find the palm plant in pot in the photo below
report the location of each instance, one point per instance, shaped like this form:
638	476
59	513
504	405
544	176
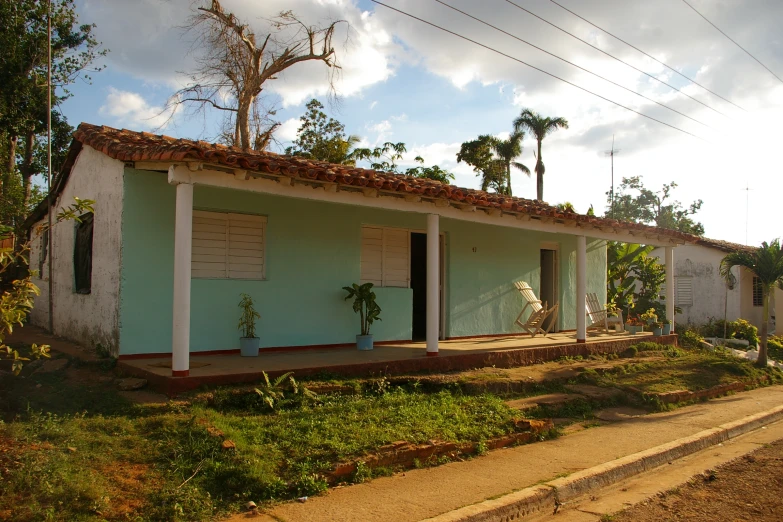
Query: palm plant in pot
248	343
364	304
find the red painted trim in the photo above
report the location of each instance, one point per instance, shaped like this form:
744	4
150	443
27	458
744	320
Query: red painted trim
465	337
432	354
159	355
581	341
180	373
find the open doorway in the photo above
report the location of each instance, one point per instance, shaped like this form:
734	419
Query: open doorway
548	284
419	285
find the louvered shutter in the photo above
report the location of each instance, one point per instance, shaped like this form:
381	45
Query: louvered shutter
372	256
228	245
246	246
385	259
684	291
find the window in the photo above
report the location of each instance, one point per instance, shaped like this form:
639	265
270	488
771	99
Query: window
758	292
43	252
228	246
82	255
385	256
683	291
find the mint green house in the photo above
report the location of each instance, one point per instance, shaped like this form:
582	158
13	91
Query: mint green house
182	228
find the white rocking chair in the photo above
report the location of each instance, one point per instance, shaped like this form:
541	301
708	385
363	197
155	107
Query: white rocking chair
539	312
598	316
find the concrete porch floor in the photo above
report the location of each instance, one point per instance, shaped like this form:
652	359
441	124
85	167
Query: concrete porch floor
384	359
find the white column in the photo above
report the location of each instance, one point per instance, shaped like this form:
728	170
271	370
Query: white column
183	239
670	297
581	288
433	283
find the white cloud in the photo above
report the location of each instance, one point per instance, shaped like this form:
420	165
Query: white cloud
373	104
287	130
131	109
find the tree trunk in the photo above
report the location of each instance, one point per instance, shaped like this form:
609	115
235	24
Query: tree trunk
762	360
539	175
27	167
508	177
243	121
11	165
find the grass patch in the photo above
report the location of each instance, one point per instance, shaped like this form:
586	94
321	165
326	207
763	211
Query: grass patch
690	370
76	451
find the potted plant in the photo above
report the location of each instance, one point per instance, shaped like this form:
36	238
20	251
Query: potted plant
650	316
364	304
248	343
657	328
634	326
667	327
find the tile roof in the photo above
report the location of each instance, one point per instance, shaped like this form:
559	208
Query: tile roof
725	246
126	145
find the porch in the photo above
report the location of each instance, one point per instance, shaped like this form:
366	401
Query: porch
388	359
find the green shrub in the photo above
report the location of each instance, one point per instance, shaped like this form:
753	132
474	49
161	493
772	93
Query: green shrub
739	329
690	338
775	348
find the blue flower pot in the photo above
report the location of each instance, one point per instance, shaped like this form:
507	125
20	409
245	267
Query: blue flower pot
364	342
667	329
248	346
657	331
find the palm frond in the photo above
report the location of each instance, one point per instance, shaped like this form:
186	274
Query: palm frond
521	167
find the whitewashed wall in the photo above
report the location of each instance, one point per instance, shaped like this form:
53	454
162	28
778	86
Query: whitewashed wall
86	318
710	293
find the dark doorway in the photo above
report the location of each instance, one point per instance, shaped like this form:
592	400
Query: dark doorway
548	284
419	284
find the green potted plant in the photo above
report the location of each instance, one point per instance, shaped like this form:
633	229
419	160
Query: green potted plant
657	328
248	343
650	316
667	327
364	304
633	326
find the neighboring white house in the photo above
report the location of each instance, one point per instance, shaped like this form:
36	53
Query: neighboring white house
701	293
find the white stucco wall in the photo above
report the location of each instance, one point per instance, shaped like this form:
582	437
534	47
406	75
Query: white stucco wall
711	298
86	318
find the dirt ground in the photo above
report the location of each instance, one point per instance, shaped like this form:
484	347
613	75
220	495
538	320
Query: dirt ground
746	489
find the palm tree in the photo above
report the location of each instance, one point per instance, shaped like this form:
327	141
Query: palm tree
766	263
540	127
507	151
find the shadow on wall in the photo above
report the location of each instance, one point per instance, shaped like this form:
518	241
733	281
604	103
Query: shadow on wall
487	299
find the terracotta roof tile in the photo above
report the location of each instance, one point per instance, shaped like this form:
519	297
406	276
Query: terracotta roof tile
726	246
126	145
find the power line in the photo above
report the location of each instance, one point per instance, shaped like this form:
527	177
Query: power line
536	68
647	55
734	41
614	57
571	63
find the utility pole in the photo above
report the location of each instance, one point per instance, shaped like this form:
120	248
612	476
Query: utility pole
49	236
747	207
611	154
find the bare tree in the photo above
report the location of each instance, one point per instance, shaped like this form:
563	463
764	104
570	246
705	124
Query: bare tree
236	64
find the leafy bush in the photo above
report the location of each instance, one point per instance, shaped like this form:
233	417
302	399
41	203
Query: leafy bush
690	338
739	329
775	347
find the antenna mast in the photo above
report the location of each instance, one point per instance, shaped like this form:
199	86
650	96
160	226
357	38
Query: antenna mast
611	154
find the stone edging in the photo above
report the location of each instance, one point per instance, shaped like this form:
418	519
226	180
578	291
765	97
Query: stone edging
556	492
405	454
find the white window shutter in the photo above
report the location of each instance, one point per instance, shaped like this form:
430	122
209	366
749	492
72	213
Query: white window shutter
385	256
372	256
210	242
245	256
396	261
684	291
228	245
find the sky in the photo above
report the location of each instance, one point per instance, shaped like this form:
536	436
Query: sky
403	80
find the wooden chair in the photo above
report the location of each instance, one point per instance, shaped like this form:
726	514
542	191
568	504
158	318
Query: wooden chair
539	312
598	316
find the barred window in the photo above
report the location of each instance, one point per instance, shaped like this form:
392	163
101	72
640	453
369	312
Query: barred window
758	292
